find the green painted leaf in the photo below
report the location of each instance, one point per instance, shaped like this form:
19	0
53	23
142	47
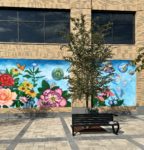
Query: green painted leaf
68	104
17	103
102	103
55	87
45	85
15	75
37	71
4	106
7	71
29	72
21	103
27	76
66	95
39	77
38	95
40	89
14	103
95	101
10	72
16	79
35	85
120	102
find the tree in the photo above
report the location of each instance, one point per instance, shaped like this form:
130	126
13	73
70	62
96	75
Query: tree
139	61
87	59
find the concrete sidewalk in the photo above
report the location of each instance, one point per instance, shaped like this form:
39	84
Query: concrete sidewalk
54	133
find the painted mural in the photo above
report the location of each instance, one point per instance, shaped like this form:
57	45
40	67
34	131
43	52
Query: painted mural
122	89
33	83
29	83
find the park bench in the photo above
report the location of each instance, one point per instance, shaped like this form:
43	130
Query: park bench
91	120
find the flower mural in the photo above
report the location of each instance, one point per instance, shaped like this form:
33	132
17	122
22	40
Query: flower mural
122	89
100	100
52	98
7	97
105	95
40	83
6	80
26	86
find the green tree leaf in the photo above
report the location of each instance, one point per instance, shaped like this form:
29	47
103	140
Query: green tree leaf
88	53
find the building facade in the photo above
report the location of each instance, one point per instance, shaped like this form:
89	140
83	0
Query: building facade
24	51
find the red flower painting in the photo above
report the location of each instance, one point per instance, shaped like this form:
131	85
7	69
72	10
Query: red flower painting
6	80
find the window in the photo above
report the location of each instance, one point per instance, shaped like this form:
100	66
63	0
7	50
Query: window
34	25
122	26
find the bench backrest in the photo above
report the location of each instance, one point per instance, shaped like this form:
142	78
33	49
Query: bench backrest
90	119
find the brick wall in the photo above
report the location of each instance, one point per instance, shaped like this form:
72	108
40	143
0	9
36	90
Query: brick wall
52	51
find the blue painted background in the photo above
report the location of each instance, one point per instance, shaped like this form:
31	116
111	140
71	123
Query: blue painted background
124	84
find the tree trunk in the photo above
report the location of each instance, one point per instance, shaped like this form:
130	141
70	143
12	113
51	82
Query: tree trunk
92	100
87	100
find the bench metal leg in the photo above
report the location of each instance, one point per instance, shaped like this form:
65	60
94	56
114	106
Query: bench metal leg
73	131
116	129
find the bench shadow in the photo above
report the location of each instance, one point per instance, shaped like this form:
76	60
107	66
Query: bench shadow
95	130
90	130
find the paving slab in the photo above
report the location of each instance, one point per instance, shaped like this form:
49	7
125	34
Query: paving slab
54	133
63	145
115	144
139	140
3	146
9	129
45	128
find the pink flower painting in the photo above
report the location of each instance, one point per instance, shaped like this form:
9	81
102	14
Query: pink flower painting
7	97
52	98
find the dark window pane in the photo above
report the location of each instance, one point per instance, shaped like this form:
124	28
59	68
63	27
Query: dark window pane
8	31
62	16
108	36
8	15
122	18
31	32
122	26
31	15
123	34
33	25
101	18
54	32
